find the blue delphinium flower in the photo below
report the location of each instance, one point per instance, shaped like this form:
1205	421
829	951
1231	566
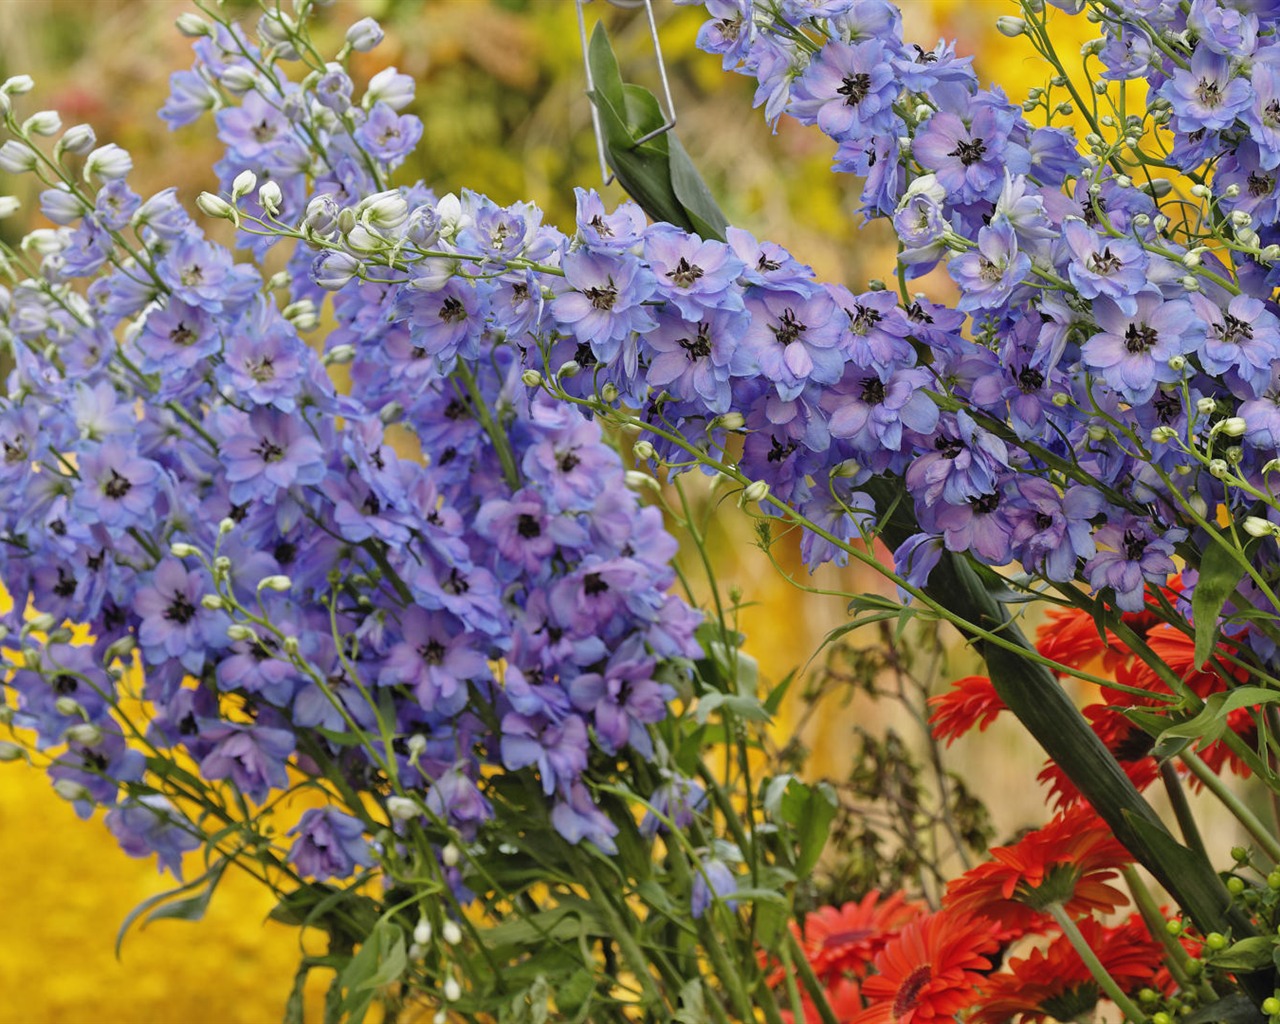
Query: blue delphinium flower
849	88
329	844
988	275
1133	349
150	824
1210	94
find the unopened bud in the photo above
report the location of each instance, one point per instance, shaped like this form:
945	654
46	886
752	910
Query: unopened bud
78	139
1206	406
452	990
1218	468
339	355
643	450
213	602
416	745
1201	191
609	393
226	526
270	198
449	855
108	162
17	85
180	550
9	205
243	183
71	790
277	583
215	206
290	646
1163	434
730	421
1097	432
757	490
1007	25
531	378
1233	426
192	25
422	932
450	932
568	370
1256	526
10	751
84	733
364	35
403	809
1177	363
43	122
17	157
302	314
236	632
638	481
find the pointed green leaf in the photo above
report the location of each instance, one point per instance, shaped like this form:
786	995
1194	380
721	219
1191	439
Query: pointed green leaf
1246	955
1220	571
1211	722
694	196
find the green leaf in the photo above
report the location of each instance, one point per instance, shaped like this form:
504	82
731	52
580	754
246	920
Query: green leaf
693	1004
692	192
1210	724
182	909
1236	1008
1220	572
745	707
809	810
1246	955
773	702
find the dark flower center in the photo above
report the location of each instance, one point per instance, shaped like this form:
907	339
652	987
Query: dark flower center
778	451
455	410
863	319
1208	92
64	684
1260	184
180	610
1234	331
116	486
602	229
602	298
1134	545
985	504
765	265
261	370
789	328
452	311
698	347
949	447
1271	113
909	990
685	273
916	313
66	585
970	151
433	652
1030	381
1043	520
854	88
285	553
1167	406
988	271
1139	338
568	462
455	583
262	131
182	335
872	390
593	584
269	451
528	527
1105	262
15	451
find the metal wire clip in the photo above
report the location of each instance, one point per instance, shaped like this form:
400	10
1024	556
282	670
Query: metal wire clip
669	114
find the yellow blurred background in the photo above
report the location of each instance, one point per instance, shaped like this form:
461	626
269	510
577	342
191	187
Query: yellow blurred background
501	94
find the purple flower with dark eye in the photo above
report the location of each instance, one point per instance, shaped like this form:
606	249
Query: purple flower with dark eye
1114	267
792	339
847	89
608	232
769	264
1131	555
988	275
970	159
606	303
1133	349
174	622
330	844
1052	530
623	699
557	749
176	337
1244	338
980	526
150	824
388	136
443	322
525	531
253	128
455	798
692	274
576	818
118	488
95	773
1210	94
1224	28
1263	114
871	412
437	658
692	360
251	756
197	271
268	451
966	462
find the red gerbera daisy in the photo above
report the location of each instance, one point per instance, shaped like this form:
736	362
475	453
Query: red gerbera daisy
929	972
1067	862
846	940
972	701
842	996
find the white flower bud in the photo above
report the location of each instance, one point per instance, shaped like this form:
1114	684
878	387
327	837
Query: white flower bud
213	602
1160	222
1177	363
43	122
452	990
363	239
1009	26
403	809
192	25
638	481
1241	218
290	646
243	183
9	205
17	85
277	583
1192	257
531	378
643	450
757	490
270	197
450	932
1201	191
226	526
68	706
383	210
85	733
302	314
340	355
568	370
1233	426
415	952
1124	181
609	392
1163	434
1206	406
1195	502
108	162
1218	468
391	88
364	35
417	745
422	932
441	1016
78	139
237	632
215	206
1270	254
1248	238
122	647
180	550
1256	526
237	79
17	157
10	751
449	855
1097	432
41	623
1190	283
71	790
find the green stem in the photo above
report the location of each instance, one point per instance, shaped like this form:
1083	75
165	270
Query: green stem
1251	822
1181	808
817	991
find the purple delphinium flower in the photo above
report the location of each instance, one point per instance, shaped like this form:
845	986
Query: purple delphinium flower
118	488
1114	267
608	232
176	337
970	159
988	275
251	756
437	657
1210	94
1223	28
454	797
268	451
148	825
1263	114
175	624
330	844
1133	350
606	303
1130	555
966	462
713	879
980	526
847	89
1051	531
793	339
387	136
525	531
577	818
871	412
692	274
692	360
443	322
624	698
1244	338
673	801
558	749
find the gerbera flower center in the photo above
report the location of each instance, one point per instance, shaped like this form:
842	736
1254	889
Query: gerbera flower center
909	990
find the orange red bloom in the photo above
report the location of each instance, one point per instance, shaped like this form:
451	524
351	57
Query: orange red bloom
846	940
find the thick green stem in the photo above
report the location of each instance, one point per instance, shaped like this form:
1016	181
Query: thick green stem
1108	984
